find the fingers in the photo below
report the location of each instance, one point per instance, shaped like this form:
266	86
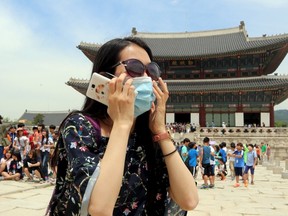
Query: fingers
122	85
163	86
116	84
128	88
160	91
120	81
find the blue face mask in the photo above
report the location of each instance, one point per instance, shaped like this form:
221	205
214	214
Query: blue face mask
145	96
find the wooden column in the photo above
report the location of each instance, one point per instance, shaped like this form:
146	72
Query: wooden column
238	67
202	112
239	105
202	116
271	111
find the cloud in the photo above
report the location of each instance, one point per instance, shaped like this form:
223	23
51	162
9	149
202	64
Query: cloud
39	38
11	40
264	3
34	67
175	2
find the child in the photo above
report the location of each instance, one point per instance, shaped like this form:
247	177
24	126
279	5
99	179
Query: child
239	162
231	160
250	165
15	170
219	163
193	155
258	152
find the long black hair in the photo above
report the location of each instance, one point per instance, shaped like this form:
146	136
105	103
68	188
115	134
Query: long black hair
17	154
45	139
107	56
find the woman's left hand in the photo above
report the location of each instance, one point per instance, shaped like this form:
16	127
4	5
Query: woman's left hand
158	111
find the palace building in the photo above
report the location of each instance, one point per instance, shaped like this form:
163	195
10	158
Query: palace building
215	76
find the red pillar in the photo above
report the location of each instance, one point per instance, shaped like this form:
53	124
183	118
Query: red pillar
239	105
202	116
271	111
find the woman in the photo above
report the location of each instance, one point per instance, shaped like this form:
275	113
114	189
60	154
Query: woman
6	142
32	164
268	152
14	172
5	162
20	143
131	178
46	144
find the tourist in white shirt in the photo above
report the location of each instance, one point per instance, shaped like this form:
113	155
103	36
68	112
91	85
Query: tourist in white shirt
231	160
5	162
20	143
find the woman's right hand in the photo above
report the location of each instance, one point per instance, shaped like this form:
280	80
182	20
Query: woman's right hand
121	100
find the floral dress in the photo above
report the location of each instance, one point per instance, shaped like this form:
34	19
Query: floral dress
80	150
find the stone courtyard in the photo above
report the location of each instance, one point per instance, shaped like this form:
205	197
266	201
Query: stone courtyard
269	196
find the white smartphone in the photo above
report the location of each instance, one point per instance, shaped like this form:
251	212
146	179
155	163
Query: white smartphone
98	88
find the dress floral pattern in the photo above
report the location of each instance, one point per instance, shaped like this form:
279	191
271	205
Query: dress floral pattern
83	145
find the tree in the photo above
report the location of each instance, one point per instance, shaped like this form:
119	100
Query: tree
38	119
280	124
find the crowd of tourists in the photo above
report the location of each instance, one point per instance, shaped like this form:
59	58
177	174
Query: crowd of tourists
25	153
176	127
209	160
181	127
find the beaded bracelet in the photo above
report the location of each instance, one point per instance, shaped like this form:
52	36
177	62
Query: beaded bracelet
166	155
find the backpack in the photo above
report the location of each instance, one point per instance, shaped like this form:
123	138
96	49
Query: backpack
224	155
187	159
5	142
179	149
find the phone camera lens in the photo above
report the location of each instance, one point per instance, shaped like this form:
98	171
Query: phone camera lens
93	86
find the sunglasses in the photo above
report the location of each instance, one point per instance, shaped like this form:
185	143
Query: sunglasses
136	68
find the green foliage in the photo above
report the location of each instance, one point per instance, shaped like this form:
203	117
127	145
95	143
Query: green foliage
280	124
38	119
281	118
6	120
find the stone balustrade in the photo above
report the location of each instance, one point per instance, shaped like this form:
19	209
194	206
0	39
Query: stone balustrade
277	138
243	131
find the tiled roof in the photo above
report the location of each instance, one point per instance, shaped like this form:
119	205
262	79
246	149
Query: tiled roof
54	118
229	44
232	41
225	85
209	85
79	85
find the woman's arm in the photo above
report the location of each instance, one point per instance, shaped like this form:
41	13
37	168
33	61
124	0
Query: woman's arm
35	165
50	143
121	111
14	143
186	199
109	182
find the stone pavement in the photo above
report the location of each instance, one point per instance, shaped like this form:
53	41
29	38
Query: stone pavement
269	196
24	198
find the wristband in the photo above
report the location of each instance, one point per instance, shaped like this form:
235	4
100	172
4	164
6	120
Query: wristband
172	152
161	136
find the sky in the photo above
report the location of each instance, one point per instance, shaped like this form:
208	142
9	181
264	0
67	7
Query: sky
38	40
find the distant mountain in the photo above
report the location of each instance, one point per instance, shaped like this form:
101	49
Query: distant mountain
281	115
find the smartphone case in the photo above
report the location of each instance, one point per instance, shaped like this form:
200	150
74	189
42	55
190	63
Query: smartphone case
98	88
